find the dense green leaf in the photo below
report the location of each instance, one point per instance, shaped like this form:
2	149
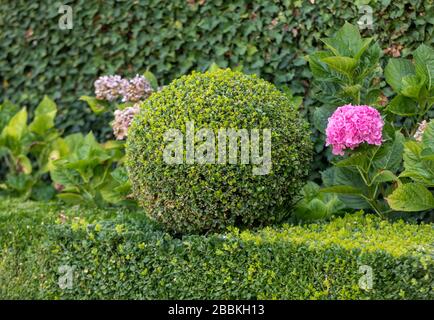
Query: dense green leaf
411	197
396	70
403	106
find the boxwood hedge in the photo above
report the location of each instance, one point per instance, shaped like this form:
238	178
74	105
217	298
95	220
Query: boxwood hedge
174	37
124	256
204	190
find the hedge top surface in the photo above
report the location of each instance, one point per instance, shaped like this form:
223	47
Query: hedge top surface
197	197
366	233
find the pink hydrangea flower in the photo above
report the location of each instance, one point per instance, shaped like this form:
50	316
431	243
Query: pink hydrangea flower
349	126
123	120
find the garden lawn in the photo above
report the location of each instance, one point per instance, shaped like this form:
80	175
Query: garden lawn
116	254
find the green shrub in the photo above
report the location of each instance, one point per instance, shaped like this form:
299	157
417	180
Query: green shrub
197	197
174	37
124	256
26	149
87	172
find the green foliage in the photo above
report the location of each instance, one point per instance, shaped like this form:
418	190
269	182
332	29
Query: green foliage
348	73
363	179
413	84
200	197
85	171
316	205
172	38
345	73
419	167
121	256
25	149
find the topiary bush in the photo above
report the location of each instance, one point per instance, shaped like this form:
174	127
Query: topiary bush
192	197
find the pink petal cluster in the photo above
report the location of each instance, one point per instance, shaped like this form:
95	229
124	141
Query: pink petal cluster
135	89
349	126
123	120
111	88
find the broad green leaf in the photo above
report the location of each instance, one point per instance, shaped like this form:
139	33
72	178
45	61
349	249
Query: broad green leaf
384	176
17	126
19	182
424	59
45	114
389	156
355	160
418	169
411	85
24	164
365	44
318	68
321	116
41	124
343	65
346	42
71	198
403	106
428	136
65	177
96	105
342	189
46	106
411	197
152	80
396	70
346	176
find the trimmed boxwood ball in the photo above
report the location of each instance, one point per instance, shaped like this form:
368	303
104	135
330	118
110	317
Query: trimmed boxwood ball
196	197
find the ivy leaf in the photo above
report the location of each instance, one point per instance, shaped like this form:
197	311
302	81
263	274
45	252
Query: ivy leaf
411	197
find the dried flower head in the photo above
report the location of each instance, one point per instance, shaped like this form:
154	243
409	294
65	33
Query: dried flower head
420	130
123	120
136	89
109	87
